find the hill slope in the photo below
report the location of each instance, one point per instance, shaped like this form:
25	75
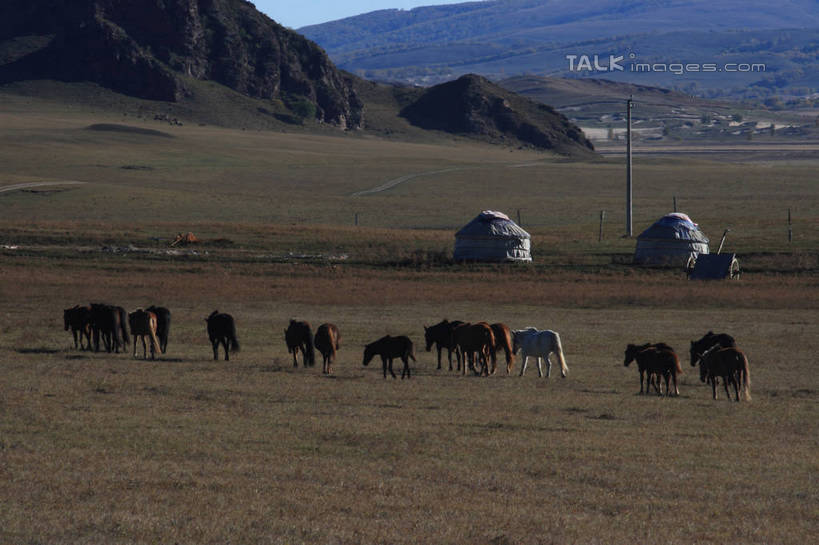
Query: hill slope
502	38
149	48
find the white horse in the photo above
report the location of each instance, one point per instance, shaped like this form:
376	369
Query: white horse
539	344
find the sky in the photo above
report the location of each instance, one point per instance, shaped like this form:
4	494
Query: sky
295	13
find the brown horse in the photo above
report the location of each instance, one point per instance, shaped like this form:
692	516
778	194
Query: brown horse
440	335
143	324
299	337
476	339
222	330
163	325
109	321
79	320
503	339
732	365
389	348
709	341
327	342
657	359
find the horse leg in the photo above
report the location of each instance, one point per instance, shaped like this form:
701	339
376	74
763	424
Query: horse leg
548	366
523	364
439	356
539	368
144	348
406	369
295	352
714	386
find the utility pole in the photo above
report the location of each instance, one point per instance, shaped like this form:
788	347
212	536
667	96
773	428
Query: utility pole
629	105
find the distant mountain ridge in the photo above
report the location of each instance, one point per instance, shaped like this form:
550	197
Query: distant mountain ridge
150	48
502	38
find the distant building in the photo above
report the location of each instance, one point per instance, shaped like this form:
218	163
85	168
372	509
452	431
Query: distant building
492	236
671	241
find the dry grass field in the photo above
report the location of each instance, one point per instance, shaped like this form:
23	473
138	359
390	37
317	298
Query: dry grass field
102	448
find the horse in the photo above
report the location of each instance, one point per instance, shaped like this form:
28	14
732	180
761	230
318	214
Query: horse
540	344
299	336
503	339
144	324
732	365
109	322
659	359
471	339
222	329
440	335
327	342
388	348
79	320
709	341
163	325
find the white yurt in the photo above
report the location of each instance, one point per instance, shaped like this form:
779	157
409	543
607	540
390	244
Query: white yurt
492	236
670	241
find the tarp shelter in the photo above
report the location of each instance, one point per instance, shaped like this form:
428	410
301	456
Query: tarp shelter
715	267
671	241
492	236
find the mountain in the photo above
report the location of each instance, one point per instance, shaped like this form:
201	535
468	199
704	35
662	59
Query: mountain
159	49
474	106
778	41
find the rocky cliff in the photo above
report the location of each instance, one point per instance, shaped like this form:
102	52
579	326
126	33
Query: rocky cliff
148	48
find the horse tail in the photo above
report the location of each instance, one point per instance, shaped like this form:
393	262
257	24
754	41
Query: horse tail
678	370
234	342
311	348
411	351
746	376
154	339
564	369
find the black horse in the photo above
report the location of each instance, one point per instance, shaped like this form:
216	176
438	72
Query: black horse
389	348
222	329
709	341
110	323
299	337
656	360
79	320
440	335
163	325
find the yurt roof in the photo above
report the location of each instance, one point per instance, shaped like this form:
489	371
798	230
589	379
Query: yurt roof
676	226
491	223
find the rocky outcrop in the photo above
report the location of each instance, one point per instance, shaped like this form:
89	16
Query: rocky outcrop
474	106
147	49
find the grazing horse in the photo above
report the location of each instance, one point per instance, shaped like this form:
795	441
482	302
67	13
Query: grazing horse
299	336
79	320
658	359
732	365
222	329
540	344
503	339
709	341
144	324
389	348
327	342
163	325
109	321
440	335
475	339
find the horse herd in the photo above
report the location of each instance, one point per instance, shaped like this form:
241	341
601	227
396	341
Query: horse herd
475	346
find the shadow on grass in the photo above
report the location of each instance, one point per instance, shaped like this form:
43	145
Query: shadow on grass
39	350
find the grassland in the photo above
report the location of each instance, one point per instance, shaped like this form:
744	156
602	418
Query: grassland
98	448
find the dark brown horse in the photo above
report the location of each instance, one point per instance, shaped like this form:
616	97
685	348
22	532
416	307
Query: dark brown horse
299	337
109	322
163	325
440	335
327	342
503	339
144	324
709	341
657	359
222	330
79	320
475	340
732	365
389	348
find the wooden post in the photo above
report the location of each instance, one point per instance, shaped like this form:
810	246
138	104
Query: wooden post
790	227
519	221
602	219
721	242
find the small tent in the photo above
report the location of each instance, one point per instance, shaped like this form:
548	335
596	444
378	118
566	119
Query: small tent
671	241
492	236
